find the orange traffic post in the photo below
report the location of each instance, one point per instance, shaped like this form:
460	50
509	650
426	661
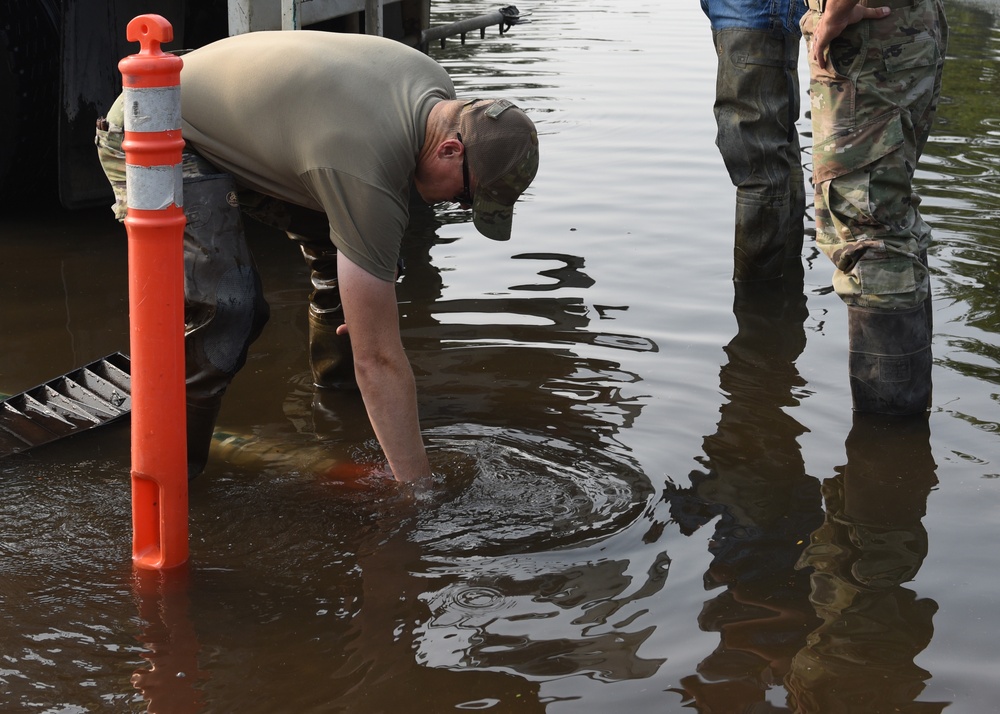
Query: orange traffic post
155	225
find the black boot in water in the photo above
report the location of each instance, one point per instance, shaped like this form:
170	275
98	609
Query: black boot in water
890	359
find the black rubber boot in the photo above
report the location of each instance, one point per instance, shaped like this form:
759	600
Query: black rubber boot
330	356
890	359
200	427
759	240
224	306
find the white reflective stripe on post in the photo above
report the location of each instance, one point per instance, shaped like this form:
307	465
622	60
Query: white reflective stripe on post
153	188
150	109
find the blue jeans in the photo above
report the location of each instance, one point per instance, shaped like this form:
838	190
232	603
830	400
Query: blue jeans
776	15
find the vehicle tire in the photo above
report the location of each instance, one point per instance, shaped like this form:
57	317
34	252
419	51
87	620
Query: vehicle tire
29	91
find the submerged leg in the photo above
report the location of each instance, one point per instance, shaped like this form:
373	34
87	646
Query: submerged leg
224	306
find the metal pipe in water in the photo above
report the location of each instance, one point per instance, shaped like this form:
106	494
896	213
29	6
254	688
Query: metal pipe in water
504	17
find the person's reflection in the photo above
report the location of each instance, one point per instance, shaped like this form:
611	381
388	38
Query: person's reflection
755	485
872	541
170	683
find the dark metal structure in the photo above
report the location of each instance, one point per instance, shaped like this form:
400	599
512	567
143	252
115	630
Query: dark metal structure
96	394
59	73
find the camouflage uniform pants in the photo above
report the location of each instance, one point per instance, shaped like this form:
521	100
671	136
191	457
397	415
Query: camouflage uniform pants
872	110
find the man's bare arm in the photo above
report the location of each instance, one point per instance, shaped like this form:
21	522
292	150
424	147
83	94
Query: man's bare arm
382	369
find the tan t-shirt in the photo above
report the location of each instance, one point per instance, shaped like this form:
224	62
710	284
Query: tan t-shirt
330	121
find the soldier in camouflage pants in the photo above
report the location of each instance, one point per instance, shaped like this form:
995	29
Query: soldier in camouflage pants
875	70
756	107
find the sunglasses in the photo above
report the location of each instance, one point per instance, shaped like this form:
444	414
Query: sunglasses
465	198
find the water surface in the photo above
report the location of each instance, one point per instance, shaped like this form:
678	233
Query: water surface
640	480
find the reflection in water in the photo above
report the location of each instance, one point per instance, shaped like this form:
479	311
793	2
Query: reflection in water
543	619
308	627
828	620
861	657
377	670
171	682
765	505
550	367
569	275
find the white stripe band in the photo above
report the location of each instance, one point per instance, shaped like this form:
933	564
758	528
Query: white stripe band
153	188
152	108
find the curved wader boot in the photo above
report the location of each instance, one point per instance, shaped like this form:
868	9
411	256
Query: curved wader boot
330	357
890	359
756	107
224	306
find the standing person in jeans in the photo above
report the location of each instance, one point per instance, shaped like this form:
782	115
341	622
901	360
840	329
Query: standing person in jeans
875	81
322	135
756	107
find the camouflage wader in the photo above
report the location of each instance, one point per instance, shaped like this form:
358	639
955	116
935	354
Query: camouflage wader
756	107
872	110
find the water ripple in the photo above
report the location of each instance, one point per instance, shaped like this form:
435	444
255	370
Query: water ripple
527	492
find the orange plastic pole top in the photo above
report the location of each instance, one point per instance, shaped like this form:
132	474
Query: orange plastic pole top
151	67
149	31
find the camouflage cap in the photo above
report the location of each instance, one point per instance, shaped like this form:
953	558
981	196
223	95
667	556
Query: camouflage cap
502	147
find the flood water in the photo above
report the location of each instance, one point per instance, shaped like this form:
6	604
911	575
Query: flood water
649	497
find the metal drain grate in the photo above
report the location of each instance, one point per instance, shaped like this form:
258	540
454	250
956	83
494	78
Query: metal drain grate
90	396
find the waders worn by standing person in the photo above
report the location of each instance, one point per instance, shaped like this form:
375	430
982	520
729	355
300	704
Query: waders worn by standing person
324	136
875	81
756	107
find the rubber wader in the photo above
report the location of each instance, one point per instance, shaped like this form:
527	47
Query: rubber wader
756	107
224	306
890	359
330	357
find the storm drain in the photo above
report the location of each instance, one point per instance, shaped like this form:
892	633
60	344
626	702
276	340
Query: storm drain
90	396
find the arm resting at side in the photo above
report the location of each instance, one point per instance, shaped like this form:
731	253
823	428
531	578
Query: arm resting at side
836	18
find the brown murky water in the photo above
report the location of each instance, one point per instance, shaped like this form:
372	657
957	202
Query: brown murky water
639	479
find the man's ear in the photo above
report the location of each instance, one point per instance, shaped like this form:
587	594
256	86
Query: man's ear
450	148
